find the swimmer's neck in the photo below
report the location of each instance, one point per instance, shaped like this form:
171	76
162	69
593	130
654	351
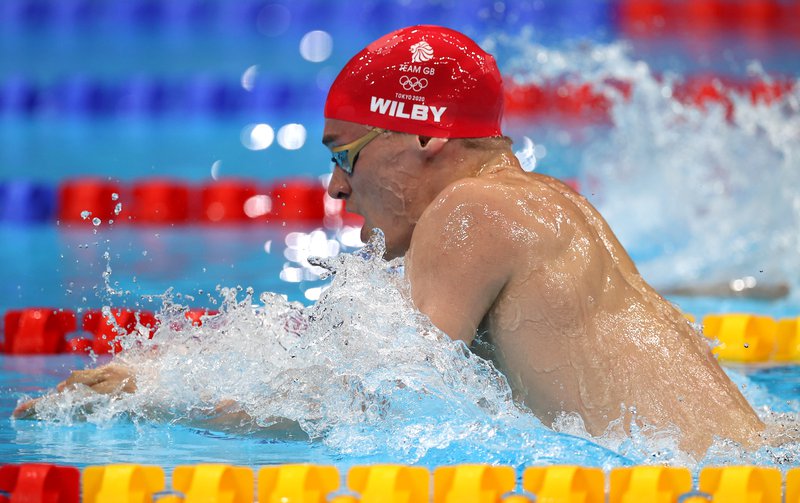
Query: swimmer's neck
499	162
469	163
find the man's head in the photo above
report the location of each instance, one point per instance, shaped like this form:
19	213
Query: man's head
393	109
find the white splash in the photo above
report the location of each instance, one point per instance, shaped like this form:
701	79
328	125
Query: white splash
361	371
714	194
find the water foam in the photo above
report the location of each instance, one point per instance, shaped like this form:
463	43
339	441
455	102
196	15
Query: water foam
367	375
361	371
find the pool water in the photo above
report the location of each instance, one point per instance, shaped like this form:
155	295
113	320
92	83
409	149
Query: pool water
169	445
374	389
366	377
698	194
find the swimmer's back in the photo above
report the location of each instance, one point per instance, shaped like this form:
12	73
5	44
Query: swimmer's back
574	326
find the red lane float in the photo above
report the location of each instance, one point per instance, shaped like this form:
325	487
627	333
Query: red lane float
106	331
164	201
46	331
160	201
297	200
578	101
84	199
224	201
236	201
589	105
35	482
78	345
195	316
703	90
649	18
37	330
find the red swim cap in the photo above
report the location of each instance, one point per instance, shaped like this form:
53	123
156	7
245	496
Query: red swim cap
425	80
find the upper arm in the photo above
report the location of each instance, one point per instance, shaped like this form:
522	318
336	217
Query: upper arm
461	257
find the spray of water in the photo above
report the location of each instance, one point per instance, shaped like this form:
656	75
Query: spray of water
714	190
361	370
365	373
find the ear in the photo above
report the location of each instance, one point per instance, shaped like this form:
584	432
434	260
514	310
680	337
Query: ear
431	146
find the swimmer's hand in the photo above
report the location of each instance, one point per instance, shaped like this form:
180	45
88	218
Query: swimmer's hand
111	379
228	416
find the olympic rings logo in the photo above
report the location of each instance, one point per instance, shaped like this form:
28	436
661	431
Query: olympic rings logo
413	83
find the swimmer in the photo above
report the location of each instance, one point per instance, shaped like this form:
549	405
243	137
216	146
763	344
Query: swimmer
517	257
413	123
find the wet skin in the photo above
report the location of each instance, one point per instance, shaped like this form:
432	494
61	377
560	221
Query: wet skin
567	316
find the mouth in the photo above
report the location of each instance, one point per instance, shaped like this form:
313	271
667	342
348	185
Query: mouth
348	208
352	218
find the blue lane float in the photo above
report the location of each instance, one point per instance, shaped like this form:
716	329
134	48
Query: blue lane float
23	201
252	16
145	96
79	95
18	96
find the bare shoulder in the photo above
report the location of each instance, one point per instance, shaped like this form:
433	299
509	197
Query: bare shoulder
471	210
472	191
462	255
502	214
513	209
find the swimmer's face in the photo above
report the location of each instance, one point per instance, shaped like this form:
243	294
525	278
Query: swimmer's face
385	184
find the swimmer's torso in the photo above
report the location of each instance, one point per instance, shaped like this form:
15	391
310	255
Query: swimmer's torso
576	329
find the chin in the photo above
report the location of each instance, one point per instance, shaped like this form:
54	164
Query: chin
393	250
391	254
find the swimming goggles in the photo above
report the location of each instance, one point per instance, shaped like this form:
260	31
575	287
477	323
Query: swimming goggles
346	155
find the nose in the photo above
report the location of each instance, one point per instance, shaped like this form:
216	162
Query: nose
339	186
